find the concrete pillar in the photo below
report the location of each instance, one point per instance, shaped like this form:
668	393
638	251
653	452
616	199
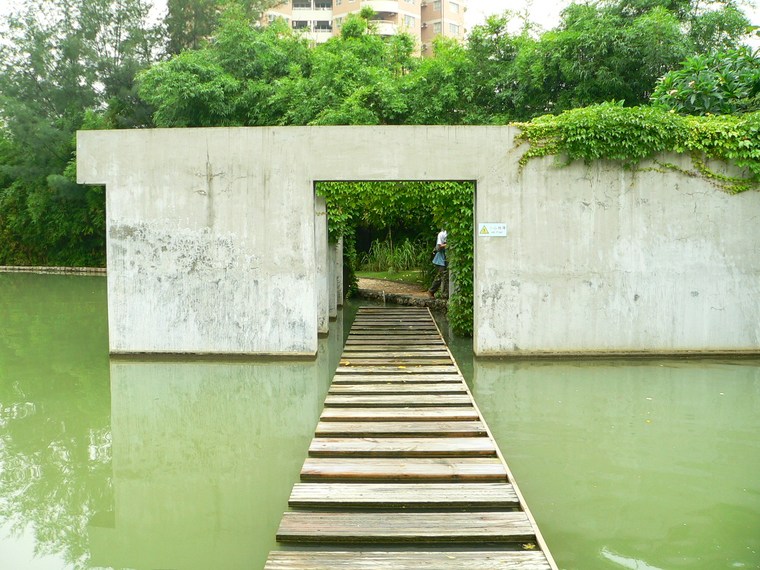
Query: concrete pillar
339	271
323	266
332	280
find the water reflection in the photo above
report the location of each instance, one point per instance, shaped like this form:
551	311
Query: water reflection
204	456
126	464
658	460
55	462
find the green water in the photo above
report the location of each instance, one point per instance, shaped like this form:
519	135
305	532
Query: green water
188	465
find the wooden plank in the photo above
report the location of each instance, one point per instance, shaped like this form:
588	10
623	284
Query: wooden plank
396	379
409	469
404	495
405	528
401	429
399	388
395	362
399	414
397	369
419	560
393	321
416	349
415	332
392	401
393	329
388	354
402	447
384	340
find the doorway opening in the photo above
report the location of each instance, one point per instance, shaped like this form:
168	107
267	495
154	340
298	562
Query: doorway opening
389	230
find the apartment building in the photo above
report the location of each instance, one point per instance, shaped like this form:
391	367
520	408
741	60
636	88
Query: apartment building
423	19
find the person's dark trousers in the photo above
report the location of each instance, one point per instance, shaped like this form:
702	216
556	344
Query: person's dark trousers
441	279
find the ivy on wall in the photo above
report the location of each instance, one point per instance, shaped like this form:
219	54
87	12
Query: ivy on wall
632	134
449	204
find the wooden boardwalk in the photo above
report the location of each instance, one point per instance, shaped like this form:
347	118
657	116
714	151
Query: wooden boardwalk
403	472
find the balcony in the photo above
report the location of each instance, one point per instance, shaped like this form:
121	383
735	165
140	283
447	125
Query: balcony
320	5
385	28
379	6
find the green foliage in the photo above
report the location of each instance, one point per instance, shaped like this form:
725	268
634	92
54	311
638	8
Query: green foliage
610	131
190	23
721	82
595	56
387	256
384	204
60	61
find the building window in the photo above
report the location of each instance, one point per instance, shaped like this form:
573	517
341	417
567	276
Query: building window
323	4
409	2
302	4
454	7
454	29
409	21
338	2
437	5
437	28
300	24
323	26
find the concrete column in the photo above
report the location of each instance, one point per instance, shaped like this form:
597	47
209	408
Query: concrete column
332	280
323	272
339	270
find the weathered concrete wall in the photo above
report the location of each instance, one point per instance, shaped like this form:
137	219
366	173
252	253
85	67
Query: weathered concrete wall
213	244
210	240
601	259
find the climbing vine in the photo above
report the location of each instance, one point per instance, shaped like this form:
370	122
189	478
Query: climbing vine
632	134
446	204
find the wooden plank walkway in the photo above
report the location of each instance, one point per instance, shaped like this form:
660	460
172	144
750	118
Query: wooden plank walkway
403	473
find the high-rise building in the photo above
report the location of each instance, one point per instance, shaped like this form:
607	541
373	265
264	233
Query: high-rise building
423	19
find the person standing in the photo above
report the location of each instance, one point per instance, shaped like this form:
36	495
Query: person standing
439	260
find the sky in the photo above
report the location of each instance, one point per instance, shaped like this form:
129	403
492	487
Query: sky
544	12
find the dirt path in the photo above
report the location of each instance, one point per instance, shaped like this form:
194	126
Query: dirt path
392	287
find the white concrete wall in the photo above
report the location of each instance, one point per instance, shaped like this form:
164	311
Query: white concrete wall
603	260
210	241
213	245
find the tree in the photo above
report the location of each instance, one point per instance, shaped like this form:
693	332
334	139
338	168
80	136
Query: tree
719	83
63	65
190	23
709	25
596	55
234	80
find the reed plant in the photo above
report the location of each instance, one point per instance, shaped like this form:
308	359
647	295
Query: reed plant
387	256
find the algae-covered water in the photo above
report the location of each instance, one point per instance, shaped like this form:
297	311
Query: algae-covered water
188	464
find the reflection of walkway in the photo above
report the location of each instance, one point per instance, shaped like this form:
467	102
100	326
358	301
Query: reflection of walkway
397	293
402	459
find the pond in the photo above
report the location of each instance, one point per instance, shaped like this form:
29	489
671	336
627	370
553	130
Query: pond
114	463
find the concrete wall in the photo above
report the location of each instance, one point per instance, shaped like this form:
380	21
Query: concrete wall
213	244
604	260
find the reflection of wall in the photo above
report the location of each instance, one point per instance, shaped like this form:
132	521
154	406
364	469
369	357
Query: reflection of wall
204	457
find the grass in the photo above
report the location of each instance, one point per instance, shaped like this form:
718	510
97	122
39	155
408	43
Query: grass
411	276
